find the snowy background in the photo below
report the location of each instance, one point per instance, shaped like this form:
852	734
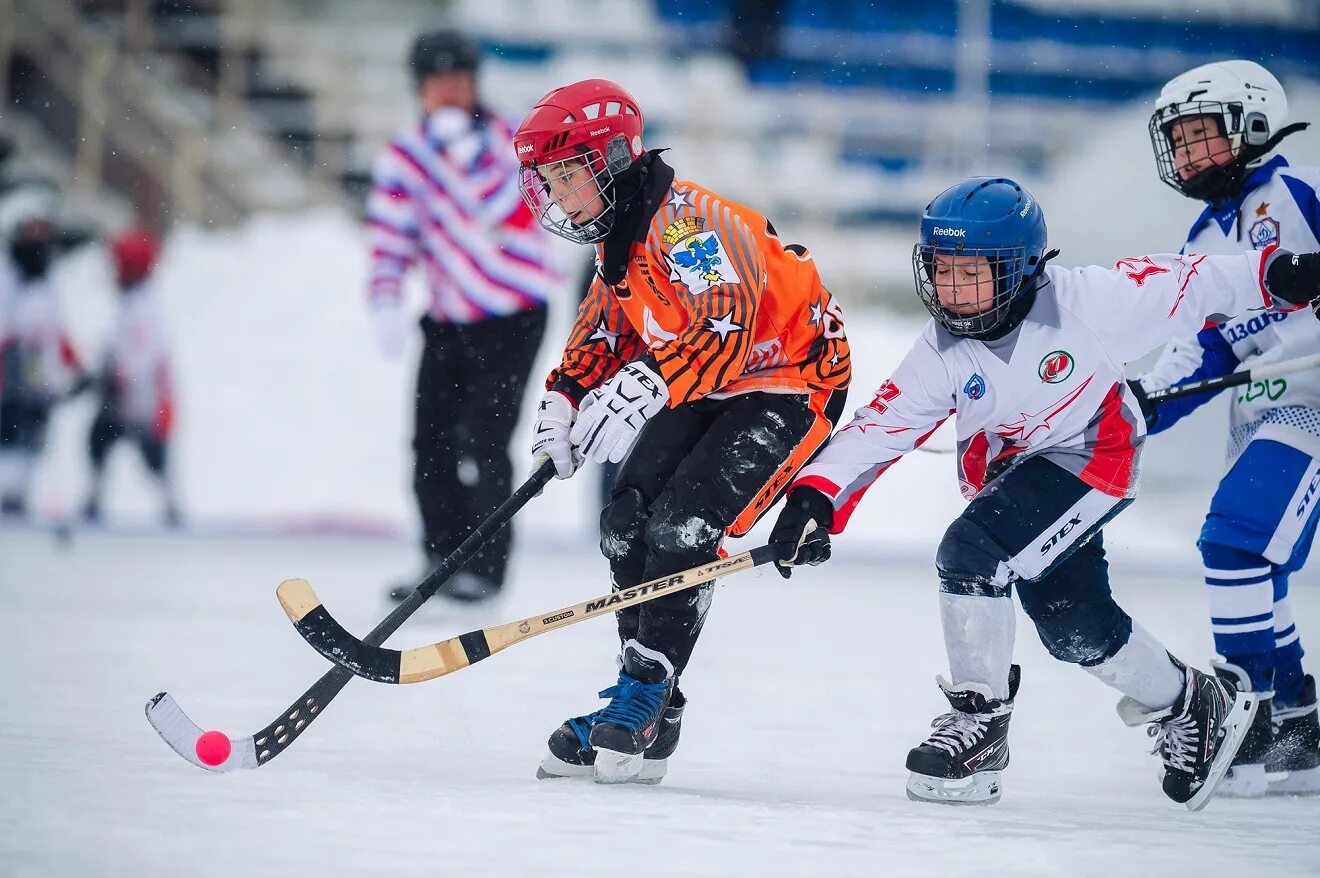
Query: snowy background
292	460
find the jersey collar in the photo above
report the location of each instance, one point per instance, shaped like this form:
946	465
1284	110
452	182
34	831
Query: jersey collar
1226	214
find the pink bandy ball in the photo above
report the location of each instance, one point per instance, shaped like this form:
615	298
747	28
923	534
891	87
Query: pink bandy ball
213	748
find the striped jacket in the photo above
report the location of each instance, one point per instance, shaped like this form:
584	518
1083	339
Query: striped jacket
716	301
451	202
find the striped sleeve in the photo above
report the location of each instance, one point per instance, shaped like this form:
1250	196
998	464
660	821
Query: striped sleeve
392	222
601	343
723	269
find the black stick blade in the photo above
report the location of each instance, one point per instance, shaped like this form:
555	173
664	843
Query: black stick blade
325	635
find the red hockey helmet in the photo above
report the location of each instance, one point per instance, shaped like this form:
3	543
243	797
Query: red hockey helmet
134	253
572	146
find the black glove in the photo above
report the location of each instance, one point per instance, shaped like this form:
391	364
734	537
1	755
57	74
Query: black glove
1149	410
1294	277
801	535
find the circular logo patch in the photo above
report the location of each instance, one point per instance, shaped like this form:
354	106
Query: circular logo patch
1055	367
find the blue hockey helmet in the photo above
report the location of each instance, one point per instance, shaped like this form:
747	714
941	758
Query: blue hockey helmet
990	217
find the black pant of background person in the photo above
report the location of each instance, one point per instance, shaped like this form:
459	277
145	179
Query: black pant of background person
107	430
469	392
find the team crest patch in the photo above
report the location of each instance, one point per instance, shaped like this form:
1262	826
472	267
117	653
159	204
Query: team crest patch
1264	232
682	227
975	386
700	263
1055	367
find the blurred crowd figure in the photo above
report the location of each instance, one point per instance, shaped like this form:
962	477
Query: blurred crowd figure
136	388
445	198
38	364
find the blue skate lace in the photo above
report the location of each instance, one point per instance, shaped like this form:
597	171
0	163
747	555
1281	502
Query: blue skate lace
632	702
581	726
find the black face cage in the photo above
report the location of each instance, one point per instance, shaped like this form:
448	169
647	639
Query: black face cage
1220	181
1008	266
535	187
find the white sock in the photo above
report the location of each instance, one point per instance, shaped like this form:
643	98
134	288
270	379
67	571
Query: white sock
978	636
1142	670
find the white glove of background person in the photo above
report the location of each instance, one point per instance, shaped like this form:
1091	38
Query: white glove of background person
391	327
612	415
554	420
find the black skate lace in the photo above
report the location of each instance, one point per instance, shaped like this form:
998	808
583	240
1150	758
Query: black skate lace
956	731
1176	740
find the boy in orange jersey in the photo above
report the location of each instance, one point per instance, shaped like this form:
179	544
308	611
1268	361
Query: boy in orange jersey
707	348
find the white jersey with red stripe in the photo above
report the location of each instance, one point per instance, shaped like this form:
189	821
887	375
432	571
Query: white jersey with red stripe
37	358
137	365
449	200
1053	385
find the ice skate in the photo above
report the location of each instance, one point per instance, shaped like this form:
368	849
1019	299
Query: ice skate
570	752
1293	764
1198	736
1245	778
961	761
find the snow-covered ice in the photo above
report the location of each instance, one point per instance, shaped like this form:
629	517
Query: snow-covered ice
805	696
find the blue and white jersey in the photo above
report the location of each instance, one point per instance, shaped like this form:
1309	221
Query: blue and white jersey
1278	205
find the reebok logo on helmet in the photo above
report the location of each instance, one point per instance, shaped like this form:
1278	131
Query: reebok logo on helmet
599	131
525	148
949	233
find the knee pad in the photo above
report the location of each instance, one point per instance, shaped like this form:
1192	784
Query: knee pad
970	562
1075	628
623	526
684	536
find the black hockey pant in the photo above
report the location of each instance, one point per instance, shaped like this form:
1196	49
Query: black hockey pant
698	471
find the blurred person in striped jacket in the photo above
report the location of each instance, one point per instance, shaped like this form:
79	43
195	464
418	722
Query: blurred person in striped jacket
445	197
137	395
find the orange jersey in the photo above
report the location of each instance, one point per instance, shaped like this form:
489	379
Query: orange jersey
717	302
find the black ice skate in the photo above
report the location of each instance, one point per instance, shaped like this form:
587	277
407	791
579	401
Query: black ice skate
1245	778
571	753
960	763
1293	763
1198	736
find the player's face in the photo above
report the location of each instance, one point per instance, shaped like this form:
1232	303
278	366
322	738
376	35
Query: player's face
965	284
573	188
1198	145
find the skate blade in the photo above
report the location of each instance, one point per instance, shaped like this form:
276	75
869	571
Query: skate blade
553	768
1244	782
1295	783
1239	720
615	767
982	788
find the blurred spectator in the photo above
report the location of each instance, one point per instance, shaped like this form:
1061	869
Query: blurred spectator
137	398
38	365
445	195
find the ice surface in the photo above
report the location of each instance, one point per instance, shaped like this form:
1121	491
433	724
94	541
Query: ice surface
805	697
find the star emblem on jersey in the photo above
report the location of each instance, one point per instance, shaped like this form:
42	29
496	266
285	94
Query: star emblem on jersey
1021	430
1264	209
815	314
679	199
1055	367
723	325
605	334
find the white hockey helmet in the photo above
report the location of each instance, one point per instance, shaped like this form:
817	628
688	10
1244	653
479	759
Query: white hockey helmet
1252	110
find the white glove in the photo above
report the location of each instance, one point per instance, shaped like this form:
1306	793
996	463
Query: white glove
612	415
391	326
554	420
